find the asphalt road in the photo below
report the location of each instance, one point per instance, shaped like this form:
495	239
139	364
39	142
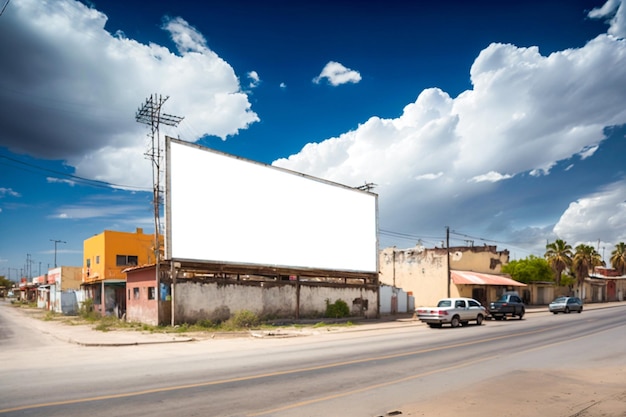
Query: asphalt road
377	372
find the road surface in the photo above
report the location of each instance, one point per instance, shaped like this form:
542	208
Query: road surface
565	365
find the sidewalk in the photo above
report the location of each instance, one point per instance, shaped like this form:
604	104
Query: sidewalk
86	335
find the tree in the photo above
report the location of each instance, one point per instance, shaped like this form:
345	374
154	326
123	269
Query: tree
559	256
618	258
585	259
528	270
4	282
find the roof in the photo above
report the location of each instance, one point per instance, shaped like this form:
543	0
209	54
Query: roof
477	278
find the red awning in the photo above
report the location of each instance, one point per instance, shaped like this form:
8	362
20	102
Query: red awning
476	278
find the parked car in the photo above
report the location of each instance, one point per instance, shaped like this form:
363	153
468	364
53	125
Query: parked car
509	304
453	311
566	305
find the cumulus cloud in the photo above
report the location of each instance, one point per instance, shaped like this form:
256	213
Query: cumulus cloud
87	84
525	114
600	215
336	74
615	12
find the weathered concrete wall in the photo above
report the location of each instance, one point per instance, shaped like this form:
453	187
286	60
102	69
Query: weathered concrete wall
420	271
485	259
218	301
362	302
405	302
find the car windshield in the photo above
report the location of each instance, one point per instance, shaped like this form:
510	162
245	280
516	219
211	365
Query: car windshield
560	300
444	303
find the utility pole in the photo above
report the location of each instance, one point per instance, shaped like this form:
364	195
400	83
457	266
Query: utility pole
448	253
55	249
150	114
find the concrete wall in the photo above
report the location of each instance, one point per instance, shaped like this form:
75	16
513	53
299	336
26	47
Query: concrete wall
421	271
404	302
218	301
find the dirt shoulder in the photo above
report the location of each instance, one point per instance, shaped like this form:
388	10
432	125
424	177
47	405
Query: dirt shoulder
555	393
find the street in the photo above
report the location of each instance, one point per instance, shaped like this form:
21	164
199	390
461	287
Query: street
410	369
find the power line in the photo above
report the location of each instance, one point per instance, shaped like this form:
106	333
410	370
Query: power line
4	7
80	180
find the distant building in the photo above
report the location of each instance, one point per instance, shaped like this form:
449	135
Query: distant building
473	271
106	255
59	289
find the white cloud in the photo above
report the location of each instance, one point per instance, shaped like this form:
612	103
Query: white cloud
525	114
336	74
89	83
615	12
61	181
491	176
8	192
282	85
601	215
254	78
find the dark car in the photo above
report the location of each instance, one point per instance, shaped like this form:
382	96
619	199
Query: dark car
509	304
566	305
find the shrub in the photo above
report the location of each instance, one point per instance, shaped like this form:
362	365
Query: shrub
337	310
242	319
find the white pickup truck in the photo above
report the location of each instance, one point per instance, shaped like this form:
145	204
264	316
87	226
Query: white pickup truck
453	311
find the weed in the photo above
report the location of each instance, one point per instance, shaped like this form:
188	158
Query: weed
337	310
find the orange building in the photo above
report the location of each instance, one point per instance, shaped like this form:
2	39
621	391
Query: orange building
106	255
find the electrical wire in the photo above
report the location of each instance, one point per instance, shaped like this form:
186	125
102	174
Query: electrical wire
78	179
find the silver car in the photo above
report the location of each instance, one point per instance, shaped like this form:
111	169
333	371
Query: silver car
566	305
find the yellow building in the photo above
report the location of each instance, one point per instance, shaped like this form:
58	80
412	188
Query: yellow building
106	255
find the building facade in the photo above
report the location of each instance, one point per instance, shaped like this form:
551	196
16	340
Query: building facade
106	256
425	273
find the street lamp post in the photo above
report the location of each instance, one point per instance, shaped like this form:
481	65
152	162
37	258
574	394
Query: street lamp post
55	249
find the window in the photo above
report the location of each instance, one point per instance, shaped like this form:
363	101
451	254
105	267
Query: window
97	259
88	262
151	293
136	293
125	260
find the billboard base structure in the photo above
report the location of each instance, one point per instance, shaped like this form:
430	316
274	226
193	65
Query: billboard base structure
192	292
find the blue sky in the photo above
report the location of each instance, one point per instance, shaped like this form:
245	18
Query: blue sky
504	122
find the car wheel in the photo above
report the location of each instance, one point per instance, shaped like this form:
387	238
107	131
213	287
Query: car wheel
521	314
566	310
555	312
479	319
455	321
580	310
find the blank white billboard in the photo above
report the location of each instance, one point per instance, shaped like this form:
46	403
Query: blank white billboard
221	208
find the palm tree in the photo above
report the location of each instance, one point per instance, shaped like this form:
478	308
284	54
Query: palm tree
618	258
585	259
559	256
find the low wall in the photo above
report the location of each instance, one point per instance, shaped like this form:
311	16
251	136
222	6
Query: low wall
218	301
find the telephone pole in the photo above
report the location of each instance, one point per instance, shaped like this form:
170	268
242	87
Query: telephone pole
150	114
